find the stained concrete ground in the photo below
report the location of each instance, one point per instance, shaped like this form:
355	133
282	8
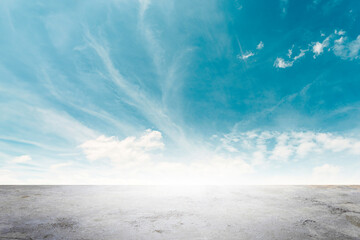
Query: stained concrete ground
139	212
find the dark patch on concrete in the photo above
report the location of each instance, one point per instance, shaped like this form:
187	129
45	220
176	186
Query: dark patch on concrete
16	238
38	231
332	209
320	231
354	220
64	223
307	221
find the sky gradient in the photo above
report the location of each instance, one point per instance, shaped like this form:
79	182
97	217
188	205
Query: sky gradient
180	92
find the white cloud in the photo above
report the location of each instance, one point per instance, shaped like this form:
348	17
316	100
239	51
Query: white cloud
21	159
294	146
340	40
246	55
60	165
347	50
341	47
282	152
123	151
281	63
318	47
326	170
305	147
340	32
301	54
258	158
289	53
140	160
260	45
334	143
136	158
355	149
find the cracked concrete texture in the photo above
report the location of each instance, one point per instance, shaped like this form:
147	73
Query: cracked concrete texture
168	212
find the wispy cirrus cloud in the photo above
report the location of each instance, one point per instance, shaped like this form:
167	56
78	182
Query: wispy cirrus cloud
246	55
152	109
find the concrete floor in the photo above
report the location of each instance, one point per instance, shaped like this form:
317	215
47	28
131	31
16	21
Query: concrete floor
139	212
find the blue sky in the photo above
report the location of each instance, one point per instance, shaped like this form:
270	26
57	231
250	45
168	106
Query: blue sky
180	92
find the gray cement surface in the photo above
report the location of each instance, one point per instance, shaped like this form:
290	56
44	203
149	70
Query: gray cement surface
164	212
